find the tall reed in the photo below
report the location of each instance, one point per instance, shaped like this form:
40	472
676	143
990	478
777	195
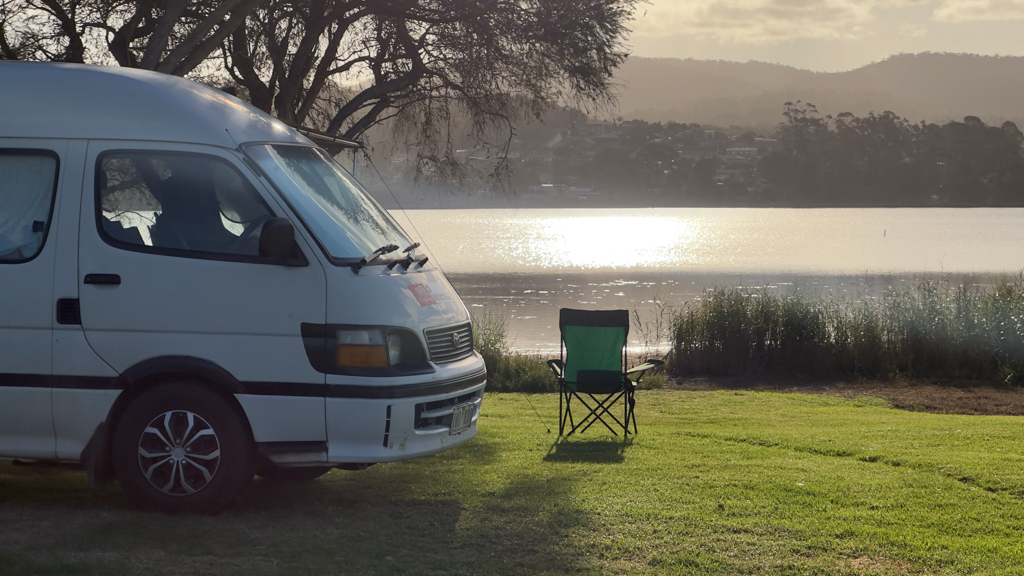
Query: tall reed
932	330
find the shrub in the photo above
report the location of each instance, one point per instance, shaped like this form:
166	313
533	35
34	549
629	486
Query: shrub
508	370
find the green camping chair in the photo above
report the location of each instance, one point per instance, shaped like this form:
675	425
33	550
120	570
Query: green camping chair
591	369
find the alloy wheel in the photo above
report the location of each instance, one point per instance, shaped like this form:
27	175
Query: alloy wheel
179	453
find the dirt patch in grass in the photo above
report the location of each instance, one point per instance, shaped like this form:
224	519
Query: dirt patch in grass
875	565
920	396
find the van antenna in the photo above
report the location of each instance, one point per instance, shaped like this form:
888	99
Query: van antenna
237	145
369	160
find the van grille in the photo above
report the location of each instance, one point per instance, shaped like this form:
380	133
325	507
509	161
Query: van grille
450	344
437	415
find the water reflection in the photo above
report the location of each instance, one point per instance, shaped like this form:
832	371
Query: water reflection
723	240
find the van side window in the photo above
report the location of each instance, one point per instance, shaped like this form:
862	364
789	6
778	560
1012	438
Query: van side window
28	184
185	204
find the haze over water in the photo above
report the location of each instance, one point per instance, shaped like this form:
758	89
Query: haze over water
526	263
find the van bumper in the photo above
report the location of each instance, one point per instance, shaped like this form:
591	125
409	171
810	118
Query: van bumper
402	421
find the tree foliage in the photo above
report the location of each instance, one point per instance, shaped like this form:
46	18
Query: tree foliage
885	160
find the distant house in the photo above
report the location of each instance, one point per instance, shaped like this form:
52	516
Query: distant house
742	151
596	128
694	155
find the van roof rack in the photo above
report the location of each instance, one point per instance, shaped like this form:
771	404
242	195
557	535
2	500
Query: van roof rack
323	138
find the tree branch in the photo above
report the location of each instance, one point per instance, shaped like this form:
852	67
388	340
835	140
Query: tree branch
193	48
75	52
207	47
158	39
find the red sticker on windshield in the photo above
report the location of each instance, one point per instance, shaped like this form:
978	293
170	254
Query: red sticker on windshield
422	294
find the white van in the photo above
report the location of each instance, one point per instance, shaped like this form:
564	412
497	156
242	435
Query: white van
192	291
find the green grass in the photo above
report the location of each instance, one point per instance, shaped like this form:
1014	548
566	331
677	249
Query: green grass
715	483
934	330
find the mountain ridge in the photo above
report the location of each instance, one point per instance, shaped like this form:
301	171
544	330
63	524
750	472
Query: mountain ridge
930	86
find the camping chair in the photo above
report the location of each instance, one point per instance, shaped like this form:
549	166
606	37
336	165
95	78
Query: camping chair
591	369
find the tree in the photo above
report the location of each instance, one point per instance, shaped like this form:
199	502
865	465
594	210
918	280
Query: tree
806	140
882	159
434	67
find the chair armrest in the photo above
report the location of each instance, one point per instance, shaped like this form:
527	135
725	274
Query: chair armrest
647	365
556	367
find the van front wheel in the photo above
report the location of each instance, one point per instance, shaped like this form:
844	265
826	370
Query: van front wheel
182	448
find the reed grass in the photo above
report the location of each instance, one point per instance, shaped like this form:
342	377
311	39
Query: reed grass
933	330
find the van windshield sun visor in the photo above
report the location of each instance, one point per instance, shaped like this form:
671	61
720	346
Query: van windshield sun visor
343	217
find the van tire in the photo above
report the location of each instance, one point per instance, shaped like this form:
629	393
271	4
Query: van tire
303	474
181	448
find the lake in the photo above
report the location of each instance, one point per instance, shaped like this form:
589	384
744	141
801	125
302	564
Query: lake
525	264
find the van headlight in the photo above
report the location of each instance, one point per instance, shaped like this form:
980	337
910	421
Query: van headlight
394	349
367	349
361	349
364	350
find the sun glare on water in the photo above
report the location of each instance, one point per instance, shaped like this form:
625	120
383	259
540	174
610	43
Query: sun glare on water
590	242
725	240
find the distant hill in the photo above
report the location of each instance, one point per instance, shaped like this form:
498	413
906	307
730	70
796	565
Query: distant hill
937	87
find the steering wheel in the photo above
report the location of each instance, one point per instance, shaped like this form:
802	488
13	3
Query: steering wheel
247	232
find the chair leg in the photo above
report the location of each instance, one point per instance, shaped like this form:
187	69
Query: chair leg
631	412
630	406
625	407
588	419
561	415
595	412
598	411
565	415
573	426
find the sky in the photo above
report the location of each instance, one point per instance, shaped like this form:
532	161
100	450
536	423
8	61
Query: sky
825	35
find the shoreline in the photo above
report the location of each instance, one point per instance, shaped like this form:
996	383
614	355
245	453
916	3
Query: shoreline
937	397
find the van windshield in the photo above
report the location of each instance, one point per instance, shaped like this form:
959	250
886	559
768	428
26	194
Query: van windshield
348	223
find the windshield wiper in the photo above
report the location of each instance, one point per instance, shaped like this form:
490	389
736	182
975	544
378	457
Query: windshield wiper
385	249
410	258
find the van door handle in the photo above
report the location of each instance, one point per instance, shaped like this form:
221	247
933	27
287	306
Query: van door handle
108	279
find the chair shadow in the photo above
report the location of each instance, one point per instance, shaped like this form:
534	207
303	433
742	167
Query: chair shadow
610	451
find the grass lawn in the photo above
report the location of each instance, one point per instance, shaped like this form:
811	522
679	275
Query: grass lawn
719	482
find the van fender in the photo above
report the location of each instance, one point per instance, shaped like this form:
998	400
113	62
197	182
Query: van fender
161	368
96	457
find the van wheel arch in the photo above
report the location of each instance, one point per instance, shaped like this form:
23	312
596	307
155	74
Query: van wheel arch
139	379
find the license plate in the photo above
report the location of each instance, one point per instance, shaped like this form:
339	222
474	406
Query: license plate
462	417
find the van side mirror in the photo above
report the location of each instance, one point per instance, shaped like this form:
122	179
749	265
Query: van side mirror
277	239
